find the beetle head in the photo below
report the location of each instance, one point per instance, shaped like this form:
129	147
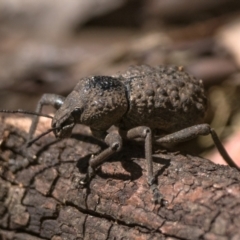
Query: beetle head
97	102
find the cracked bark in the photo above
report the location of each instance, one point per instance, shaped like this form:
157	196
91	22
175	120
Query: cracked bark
44	201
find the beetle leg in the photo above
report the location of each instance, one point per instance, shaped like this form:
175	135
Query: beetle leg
47	99
194	131
114	141
146	134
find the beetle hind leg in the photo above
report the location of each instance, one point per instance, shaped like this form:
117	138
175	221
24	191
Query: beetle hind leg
194	131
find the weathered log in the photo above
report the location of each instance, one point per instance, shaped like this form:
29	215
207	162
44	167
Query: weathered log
44	200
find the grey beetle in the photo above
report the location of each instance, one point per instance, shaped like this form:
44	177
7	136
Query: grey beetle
143	102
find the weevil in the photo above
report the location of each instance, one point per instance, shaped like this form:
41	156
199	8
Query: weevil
164	104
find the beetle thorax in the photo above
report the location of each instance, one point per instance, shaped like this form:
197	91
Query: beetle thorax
105	102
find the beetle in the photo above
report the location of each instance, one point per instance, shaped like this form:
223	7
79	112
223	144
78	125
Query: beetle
164	104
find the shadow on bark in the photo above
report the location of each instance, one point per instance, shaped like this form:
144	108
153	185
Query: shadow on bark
44	200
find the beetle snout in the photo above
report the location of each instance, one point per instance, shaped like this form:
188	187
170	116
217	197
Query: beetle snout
64	132
64	129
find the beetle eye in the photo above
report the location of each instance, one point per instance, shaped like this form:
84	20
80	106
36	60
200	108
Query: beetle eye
76	113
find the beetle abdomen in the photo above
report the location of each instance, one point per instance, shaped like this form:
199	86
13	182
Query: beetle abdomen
164	98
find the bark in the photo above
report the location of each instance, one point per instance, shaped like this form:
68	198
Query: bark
45	201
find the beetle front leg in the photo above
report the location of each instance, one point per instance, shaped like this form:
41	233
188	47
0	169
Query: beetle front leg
47	99
114	141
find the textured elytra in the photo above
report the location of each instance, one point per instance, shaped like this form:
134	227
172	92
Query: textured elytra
164	98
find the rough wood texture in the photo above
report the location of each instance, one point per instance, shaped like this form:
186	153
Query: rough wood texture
44	200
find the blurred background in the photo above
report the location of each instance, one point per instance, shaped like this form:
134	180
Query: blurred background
47	46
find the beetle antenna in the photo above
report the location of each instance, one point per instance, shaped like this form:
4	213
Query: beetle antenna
29	144
26	112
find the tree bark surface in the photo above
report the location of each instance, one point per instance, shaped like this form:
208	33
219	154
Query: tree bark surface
45	200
